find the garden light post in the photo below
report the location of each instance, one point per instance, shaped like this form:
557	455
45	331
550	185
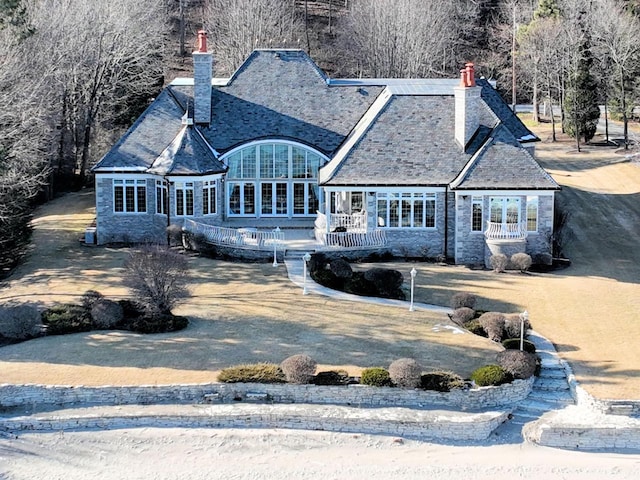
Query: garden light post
276	232
413	278
524	316
305	259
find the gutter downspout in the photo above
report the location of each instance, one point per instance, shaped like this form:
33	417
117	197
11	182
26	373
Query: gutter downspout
168	209
446	220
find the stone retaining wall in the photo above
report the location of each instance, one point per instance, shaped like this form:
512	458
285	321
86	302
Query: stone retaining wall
352	395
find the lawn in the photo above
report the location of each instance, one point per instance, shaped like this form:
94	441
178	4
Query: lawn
248	313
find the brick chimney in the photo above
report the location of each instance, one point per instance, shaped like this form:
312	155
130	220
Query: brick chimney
467	105
202	73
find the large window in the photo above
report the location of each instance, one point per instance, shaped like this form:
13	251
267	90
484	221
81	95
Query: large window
161	197
406	209
532	214
184	198
129	196
476	214
505	210
273	179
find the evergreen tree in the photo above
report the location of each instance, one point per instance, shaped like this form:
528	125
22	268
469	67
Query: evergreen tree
547	9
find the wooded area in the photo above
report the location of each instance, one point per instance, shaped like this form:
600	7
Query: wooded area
75	74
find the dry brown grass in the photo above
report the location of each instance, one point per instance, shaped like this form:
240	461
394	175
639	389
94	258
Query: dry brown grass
248	313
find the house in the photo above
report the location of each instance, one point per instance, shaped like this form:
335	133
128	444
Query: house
421	167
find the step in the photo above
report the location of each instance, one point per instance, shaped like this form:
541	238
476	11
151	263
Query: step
550	362
551	384
559	398
537	407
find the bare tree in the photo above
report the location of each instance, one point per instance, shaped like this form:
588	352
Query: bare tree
237	27
402	38
158	278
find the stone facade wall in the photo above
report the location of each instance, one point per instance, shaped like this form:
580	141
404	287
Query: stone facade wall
469	246
354	395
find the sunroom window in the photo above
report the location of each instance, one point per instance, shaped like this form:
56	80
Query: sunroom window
406	209
129	196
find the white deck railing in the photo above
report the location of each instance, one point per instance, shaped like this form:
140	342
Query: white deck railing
505	231
356	222
236	237
370	239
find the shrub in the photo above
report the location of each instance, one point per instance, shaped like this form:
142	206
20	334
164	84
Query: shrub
158	278
376	377
405	372
327	278
174	234
512	325
106	314
544	259
20	321
493	325
514	344
517	363
299	368
358	285
318	261
252	373
441	381
66	318
331	377
160	323
388	282
89	298
498	262
463	299
475	327
462	315
491	375
131	309
340	268
521	261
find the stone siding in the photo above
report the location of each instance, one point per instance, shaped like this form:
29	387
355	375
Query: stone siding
352	395
469	246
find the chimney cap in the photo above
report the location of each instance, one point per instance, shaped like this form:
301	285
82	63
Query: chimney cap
202	41
467	76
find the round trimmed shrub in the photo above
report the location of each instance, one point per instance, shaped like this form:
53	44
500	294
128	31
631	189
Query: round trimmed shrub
341	268
405	372
358	285
106	314
463	299
441	381
331	377
388	282
20	321
491	375
493	325
499	262
160	323
521	261
89	298
376	377
512	326
514	344
462	315
252	373
299	368
475	327
518	363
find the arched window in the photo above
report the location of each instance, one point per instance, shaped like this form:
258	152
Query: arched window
273	179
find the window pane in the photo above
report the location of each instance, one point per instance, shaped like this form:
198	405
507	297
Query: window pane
476	214
189	202
298	198
142	199
266	161
249	199
418	214
179	202
205	201
282	161
532	214
234	198
313	164
382	213
356	202
118	199
406	213
267	198
129	199
513	210
394	213
313	201
281	198
430	212
249	163
234	165
298	163
496	210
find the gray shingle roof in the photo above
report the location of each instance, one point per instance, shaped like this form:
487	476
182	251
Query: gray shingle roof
501	163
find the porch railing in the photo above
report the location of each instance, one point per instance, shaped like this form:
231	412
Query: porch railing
506	231
372	238
356	222
236	237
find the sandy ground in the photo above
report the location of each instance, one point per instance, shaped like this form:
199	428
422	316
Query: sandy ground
278	454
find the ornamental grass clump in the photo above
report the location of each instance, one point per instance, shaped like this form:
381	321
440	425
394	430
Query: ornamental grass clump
521	261
299	368
518	363
405	372
499	262
491	375
252	373
375	377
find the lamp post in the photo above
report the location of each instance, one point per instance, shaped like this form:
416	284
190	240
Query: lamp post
524	316
305	258
413	278
276	232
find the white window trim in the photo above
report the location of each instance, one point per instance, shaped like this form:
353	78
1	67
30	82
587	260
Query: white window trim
526	213
210	185
475	200
138	181
185	186
425	196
